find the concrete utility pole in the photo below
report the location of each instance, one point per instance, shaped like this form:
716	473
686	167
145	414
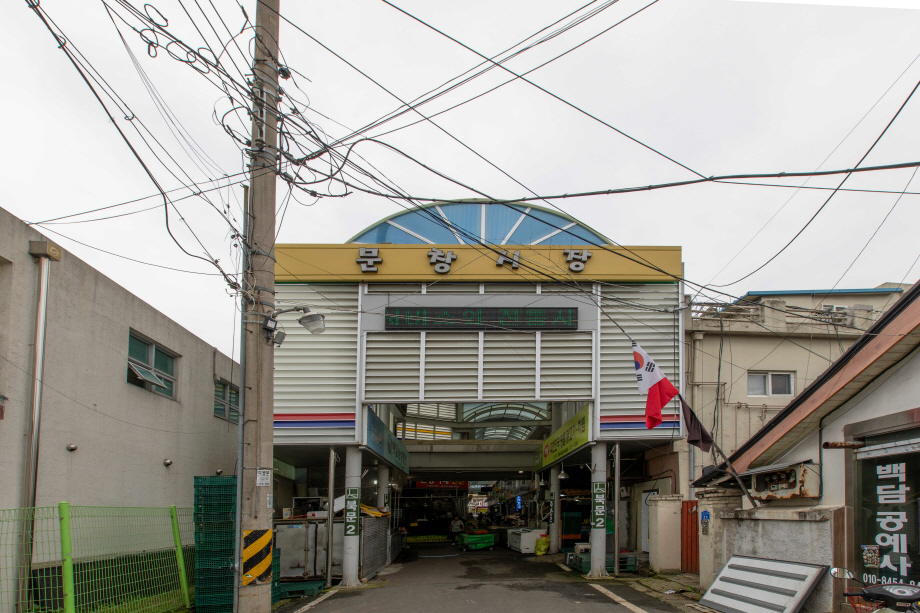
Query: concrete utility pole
256	475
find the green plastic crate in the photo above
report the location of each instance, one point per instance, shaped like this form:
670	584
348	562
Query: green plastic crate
202	591
214	608
228	527
214	578
218	599
215	480
582	562
203	561
302	588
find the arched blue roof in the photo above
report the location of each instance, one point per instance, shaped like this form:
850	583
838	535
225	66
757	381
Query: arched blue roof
463	222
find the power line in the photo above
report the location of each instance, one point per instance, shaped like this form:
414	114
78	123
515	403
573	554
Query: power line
546	91
821	208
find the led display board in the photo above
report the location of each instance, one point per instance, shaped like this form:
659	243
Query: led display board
496	319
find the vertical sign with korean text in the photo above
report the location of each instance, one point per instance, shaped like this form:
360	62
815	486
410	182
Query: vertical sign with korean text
887	519
352	515
552	507
598	505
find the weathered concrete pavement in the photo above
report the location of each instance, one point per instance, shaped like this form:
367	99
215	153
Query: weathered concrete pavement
440	578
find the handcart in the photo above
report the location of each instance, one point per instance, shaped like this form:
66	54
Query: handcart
466	542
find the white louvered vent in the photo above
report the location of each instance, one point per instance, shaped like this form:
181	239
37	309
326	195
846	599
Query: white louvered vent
392	366
566	365
510	288
394	288
451	365
441	287
509	366
639	310
433	410
316	374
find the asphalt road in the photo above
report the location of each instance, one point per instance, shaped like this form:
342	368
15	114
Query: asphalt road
440	579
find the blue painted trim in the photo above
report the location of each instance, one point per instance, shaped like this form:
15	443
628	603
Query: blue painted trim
314	424
816	292
626	425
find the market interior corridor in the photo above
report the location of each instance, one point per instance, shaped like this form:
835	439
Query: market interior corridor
438	577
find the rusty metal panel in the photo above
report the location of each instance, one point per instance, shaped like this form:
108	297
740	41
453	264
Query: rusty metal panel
689	537
785	482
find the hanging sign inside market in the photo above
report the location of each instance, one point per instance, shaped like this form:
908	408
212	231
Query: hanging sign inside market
573	435
552	507
598	505
442	485
384	443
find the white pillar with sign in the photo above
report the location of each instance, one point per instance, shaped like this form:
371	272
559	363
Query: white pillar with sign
598	511
351	563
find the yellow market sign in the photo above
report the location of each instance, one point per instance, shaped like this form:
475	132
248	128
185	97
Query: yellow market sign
573	435
385	263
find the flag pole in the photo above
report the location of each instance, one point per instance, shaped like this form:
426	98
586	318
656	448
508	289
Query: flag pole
711	441
731	470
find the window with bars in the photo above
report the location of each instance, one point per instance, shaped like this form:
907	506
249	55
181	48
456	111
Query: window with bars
770	384
227	401
151	367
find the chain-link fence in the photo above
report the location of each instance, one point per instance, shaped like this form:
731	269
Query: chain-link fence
96	559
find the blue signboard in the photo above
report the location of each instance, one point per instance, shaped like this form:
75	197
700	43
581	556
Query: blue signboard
704	516
518	503
384	443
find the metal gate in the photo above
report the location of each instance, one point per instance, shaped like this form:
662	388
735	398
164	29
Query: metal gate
374	544
689	537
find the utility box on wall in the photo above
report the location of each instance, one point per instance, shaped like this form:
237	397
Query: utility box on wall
784	481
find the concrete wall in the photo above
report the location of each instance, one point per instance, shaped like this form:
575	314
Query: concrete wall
715	549
664	534
123	433
812	535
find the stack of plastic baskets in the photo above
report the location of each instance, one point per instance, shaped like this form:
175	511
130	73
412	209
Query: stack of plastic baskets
215	543
276	575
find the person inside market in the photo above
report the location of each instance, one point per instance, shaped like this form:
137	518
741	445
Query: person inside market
456	527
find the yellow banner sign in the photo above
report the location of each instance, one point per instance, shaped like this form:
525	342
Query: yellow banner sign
573	434
473	263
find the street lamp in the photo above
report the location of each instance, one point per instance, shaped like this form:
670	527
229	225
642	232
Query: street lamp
314	323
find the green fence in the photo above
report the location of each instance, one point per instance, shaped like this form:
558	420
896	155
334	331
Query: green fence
96	559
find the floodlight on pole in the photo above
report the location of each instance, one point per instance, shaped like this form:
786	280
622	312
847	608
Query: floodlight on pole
314	322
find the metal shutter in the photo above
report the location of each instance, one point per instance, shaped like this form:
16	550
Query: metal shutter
395	545
639	309
566	364
509	366
451	366
316	374
374	545
392	366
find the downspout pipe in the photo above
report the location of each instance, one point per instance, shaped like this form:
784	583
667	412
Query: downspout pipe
38	374
44	252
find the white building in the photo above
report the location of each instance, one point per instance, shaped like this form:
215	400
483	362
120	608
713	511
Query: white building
837	472
125	389
473	352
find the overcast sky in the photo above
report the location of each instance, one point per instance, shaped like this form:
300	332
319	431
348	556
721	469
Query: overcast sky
721	86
